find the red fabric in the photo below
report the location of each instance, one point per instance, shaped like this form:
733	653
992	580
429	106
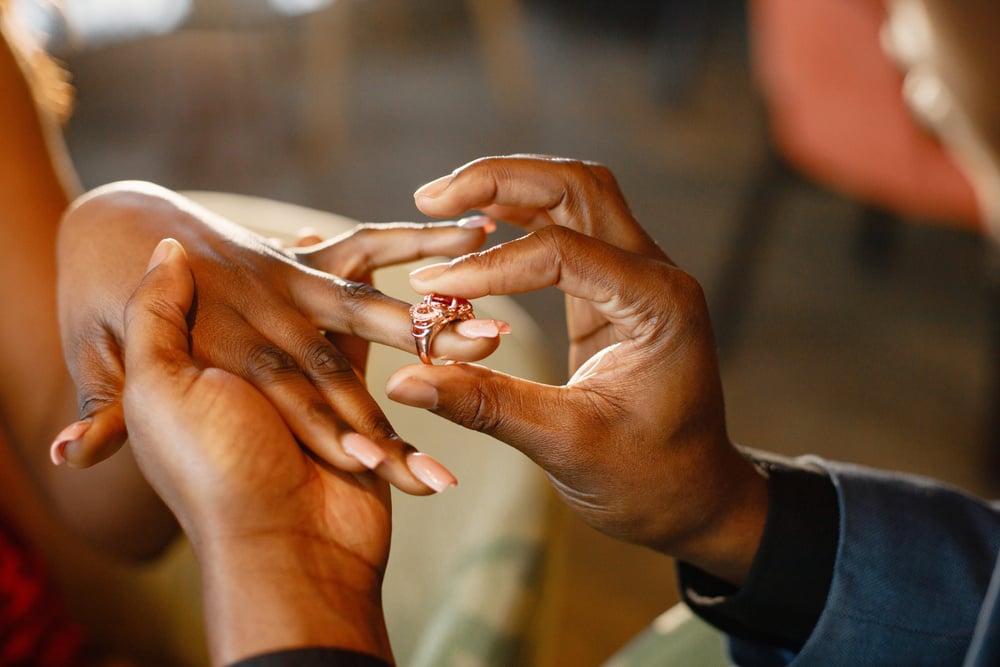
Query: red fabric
837	114
35	627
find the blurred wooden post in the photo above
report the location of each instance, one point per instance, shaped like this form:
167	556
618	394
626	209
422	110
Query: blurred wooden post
503	42
326	48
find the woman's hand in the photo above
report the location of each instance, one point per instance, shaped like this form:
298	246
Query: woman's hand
260	313
636	441
292	551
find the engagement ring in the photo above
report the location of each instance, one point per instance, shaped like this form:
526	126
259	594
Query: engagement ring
433	314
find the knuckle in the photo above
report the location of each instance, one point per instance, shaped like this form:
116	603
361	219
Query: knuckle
554	238
355	290
374	424
476	409
324	362
686	287
316	410
93	399
269	362
479	414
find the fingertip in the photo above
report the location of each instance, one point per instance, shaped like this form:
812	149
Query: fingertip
430	471
428	273
363	449
70	434
165	251
477	328
428	192
412	391
483	222
91	440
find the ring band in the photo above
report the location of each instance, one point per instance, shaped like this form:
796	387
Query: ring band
431	315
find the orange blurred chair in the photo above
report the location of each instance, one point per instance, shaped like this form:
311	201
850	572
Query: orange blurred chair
836	117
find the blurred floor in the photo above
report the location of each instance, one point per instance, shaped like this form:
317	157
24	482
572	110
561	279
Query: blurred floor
890	370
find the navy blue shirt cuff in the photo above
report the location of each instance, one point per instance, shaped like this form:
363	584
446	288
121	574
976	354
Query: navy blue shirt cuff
789	580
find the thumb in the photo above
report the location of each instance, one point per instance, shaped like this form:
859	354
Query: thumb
156	329
531	417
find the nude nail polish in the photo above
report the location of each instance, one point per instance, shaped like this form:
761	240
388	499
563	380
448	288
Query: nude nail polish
483	222
73	432
481	328
425	468
363	449
430	272
433	189
413	392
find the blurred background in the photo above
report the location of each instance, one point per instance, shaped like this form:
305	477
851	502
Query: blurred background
349	106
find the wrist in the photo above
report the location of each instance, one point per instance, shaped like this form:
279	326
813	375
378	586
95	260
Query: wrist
728	534
269	592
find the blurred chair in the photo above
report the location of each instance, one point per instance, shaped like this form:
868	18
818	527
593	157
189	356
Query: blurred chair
836	118
501	38
319	33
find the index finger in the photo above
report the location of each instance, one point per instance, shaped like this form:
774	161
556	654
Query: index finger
583	196
620	285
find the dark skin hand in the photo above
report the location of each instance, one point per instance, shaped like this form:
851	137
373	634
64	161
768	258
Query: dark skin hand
261	313
291	550
636	441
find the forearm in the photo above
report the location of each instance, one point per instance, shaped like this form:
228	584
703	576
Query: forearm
270	594
37	397
32	199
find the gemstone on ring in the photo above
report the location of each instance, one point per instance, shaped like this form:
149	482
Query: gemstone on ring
431	315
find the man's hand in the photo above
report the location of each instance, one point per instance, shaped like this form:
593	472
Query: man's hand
636	441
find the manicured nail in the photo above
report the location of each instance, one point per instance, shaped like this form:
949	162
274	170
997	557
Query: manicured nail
434	188
363	449
163	250
482	328
430	272
73	432
413	392
483	222
425	468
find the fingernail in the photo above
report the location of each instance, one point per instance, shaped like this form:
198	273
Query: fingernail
73	432
363	449
430	272
425	468
483	222
482	328
163	250
433	189
413	392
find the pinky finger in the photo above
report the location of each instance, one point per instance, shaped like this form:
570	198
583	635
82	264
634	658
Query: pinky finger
91	440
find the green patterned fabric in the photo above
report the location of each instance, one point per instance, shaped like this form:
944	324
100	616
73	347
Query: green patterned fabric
676	637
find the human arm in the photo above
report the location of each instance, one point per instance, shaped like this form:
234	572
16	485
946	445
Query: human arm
261	312
36	392
291	551
893	533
